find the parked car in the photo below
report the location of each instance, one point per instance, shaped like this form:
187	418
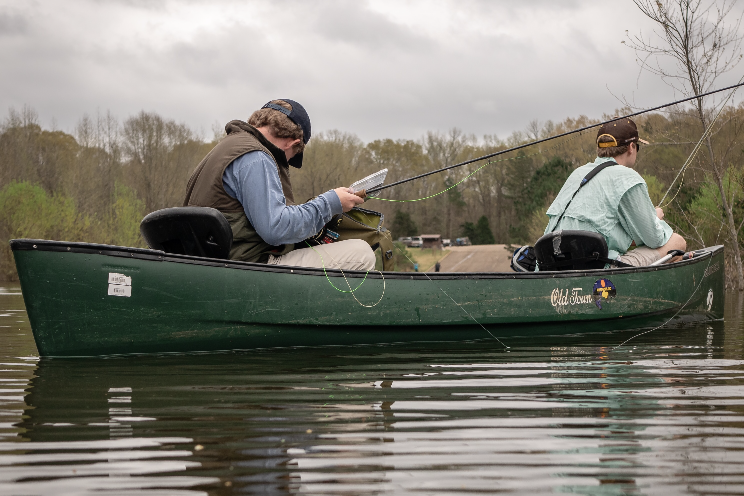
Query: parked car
446	242
416	242
406	240
463	241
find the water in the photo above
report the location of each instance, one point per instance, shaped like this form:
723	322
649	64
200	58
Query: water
663	415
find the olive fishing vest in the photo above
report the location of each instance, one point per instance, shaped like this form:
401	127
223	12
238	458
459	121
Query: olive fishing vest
205	189
597	202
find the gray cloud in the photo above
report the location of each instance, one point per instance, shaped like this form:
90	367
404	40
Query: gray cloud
12	23
379	69
350	23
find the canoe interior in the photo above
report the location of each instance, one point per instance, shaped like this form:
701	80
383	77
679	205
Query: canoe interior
86	299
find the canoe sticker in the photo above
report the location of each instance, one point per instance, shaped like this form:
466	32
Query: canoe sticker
561	299
565	297
119	285
603	289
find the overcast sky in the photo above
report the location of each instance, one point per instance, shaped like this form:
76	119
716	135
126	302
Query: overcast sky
379	69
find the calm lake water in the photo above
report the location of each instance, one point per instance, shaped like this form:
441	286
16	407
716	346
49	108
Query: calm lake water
661	415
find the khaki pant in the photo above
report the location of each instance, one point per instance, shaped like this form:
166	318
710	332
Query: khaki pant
352	254
641	256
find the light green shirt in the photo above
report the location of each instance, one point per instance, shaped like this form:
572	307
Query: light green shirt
615	203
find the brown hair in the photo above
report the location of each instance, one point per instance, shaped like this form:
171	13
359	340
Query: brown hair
611	151
279	124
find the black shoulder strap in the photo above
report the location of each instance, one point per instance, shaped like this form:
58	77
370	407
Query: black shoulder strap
586	179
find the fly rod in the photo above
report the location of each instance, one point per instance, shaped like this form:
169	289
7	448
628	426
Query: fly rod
380	188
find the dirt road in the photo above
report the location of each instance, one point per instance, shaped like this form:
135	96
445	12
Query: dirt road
478	258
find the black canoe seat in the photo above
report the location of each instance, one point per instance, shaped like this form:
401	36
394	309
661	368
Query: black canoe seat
573	250
197	231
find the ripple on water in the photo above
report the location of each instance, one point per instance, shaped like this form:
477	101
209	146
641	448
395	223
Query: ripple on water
665	415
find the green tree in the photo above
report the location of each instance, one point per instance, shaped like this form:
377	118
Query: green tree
479	233
27	211
403	225
530	203
467	230
125	216
484	235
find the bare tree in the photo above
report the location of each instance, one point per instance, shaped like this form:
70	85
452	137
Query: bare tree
694	44
445	149
161	155
92	180
533	130
332	159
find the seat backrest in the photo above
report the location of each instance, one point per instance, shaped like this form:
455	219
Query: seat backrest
197	231
555	250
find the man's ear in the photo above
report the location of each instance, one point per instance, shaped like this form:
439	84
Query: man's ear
294	143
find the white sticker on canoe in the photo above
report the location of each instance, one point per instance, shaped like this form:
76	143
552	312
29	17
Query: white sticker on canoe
121	279
118	290
119	285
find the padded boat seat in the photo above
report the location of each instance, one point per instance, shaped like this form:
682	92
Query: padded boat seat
573	250
197	231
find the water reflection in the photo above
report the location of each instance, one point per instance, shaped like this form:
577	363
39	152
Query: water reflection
554	414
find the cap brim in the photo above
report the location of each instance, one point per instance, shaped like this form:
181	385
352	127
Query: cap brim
296	161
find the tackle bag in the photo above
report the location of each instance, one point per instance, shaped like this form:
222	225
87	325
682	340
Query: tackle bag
357	223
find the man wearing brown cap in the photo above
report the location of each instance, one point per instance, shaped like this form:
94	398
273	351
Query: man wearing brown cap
615	202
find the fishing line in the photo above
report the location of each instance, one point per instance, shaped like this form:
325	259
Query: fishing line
448	296
457	304
706	134
441	192
694	292
352	291
519	147
390	237
539	152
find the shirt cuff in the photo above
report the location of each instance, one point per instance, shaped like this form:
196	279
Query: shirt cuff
334	201
667	230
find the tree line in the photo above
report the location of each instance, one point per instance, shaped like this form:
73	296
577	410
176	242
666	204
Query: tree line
97	183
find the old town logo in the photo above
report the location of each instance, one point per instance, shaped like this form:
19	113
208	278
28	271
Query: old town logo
565	297
603	289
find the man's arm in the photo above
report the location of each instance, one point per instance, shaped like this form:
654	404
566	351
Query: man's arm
254	181
639	218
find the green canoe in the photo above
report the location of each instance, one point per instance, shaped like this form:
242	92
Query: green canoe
85	299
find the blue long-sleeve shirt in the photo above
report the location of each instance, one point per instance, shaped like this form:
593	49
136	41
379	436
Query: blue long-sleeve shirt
253	180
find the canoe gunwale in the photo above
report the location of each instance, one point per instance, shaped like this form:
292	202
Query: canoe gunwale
160	256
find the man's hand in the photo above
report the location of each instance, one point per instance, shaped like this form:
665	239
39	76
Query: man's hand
659	213
348	199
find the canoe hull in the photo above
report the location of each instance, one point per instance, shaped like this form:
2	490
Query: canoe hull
87	300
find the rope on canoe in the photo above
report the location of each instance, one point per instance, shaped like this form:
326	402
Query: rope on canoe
680	308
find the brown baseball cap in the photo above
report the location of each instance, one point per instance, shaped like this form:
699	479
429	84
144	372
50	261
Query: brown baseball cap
618	133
